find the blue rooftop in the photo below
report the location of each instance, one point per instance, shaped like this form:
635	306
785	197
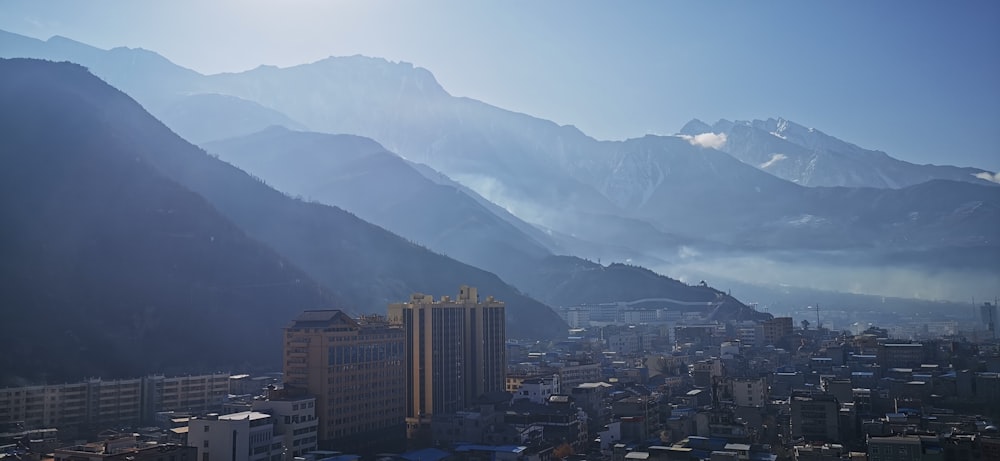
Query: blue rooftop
426	454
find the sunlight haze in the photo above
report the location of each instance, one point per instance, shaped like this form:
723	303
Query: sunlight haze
914	79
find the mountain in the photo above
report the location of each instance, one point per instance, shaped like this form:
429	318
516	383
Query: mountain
647	201
810	157
359	175
569	281
117	220
651	195
200	118
110	267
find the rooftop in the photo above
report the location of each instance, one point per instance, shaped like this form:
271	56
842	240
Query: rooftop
248	415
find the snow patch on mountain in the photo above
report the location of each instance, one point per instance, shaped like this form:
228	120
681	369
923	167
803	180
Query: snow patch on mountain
774	159
712	140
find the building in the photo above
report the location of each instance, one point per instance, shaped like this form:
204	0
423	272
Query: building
988	315
904	448
89	405
125	448
772	330
749	392
537	390
901	355
513	382
573	375
455	352
244	436
628	343
354	368
193	394
294	415
815	419
97	404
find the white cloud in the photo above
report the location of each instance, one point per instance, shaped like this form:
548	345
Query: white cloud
712	140
992	177
774	158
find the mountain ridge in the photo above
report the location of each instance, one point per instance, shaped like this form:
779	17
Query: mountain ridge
811	157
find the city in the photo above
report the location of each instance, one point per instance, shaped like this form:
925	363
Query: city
437	379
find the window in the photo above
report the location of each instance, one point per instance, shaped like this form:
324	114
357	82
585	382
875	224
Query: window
204	457
204	444
206	428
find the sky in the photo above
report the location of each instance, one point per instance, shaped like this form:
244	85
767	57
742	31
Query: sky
917	79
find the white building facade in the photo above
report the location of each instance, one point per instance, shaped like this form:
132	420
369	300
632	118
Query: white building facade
244	436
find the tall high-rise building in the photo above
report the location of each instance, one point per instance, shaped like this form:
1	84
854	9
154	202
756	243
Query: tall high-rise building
455	352
354	368
988	315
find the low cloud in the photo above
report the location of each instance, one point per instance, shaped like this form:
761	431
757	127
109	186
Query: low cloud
774	158
992	177
711	140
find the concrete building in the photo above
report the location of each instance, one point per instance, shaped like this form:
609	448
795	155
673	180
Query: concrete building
770	331
988	315
355	369
193	394
816	418
125	448
513	382
455	352
244	436
900	355
627	343
537	390
576	317
905	448
749	392
573	375
294	415
97	404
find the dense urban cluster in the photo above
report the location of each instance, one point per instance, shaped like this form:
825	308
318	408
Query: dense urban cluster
438	380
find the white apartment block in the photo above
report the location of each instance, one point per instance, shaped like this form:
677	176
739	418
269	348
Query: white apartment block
294	420
244	436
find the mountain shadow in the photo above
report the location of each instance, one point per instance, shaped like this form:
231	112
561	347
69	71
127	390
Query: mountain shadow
118	221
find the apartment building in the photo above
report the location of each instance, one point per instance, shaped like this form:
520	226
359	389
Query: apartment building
355	369
97	404
244	436
455	352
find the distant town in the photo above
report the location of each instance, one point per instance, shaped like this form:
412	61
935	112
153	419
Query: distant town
437	379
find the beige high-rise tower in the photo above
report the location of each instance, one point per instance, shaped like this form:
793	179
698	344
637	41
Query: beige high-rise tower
455	352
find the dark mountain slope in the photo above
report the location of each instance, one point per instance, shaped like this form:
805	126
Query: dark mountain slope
109	268
366	266
568	281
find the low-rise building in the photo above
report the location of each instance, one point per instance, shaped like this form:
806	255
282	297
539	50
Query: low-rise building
245	436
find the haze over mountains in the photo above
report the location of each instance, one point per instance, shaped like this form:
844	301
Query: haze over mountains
650	200
515	195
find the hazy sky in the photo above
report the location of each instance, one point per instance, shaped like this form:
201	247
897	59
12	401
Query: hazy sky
919	80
